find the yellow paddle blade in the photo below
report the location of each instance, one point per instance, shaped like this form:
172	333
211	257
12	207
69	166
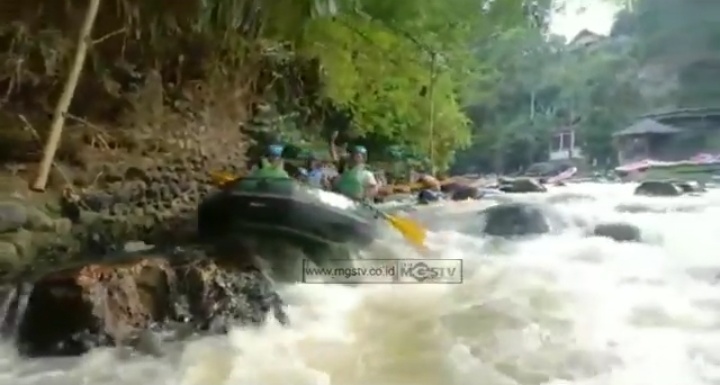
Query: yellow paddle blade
219	178
412	231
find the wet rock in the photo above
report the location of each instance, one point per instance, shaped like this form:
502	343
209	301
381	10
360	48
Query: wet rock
517	219
62	226
428	196
117	302
13	216
39	220
8	255
658	189
24	242
465	193
460	192
134	246
691	187
521	185
621	232
635	208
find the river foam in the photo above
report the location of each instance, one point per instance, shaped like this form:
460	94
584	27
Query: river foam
560	309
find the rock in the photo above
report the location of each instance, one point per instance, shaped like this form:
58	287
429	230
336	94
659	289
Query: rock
62	226
635	208
517	219
521	185
428	196
8	255
658	189
12	216
134	246
690	187
621	232
72	310
24	243
459	192
465	193
39	220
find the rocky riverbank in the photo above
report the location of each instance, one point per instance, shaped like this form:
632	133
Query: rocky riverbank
112	262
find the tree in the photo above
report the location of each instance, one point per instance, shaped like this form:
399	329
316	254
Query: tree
373	60
541	84
389	63
512	124
677	42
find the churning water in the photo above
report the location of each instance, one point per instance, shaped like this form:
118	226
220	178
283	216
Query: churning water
560	309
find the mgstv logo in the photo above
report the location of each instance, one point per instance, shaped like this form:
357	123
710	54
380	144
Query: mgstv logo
447	271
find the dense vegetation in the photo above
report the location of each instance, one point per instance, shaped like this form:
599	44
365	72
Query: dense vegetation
661	55
416	79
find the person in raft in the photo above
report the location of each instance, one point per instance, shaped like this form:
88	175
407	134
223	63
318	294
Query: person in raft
355	180
271	165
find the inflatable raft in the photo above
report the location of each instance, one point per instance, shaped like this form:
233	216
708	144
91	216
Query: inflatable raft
287	209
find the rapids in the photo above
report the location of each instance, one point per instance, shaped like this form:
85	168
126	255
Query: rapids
560	309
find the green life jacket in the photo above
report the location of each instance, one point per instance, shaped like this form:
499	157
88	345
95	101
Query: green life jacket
351	184
269	171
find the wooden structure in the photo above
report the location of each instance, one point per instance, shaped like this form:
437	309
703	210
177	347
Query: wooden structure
564	145
670	136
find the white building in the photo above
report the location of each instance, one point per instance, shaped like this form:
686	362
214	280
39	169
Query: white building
563	145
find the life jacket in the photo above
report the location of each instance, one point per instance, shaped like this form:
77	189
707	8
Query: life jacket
269	171
351	184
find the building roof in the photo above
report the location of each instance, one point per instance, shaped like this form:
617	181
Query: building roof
647	126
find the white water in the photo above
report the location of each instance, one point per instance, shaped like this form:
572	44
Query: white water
562	309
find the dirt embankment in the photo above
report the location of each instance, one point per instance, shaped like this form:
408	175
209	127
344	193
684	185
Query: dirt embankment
77	271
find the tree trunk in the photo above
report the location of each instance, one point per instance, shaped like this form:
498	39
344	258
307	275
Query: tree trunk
63	104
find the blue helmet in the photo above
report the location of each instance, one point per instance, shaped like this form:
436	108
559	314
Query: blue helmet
275	150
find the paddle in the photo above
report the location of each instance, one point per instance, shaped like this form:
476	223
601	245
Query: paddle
412	231
219	178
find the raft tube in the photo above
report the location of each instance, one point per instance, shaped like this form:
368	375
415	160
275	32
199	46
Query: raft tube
287	209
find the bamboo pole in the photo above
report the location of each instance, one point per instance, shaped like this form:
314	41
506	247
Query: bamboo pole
63	104
433	65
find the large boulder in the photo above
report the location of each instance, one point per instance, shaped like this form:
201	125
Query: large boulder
119	301
518	219
521	185
621	232
429	196
458	191
658	189
13	216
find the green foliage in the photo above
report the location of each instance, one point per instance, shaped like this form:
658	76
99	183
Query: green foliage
661	54
402	70
539	84
678	40
390	63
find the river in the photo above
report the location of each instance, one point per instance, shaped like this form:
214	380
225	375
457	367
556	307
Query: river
561	309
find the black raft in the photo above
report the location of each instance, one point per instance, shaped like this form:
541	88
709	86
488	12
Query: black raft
284	207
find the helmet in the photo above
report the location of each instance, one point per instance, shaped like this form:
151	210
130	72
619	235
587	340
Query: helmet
358	150
274	151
